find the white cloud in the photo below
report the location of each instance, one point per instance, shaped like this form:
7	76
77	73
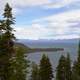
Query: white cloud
63	24
63	17
52	31
22	3
60	3
58	25
35	31
18	4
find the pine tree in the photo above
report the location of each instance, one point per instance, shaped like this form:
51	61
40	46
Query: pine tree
74	71
34	72
19	65
13	64
78	60
76	66
60	72
46	71
6	42
68	71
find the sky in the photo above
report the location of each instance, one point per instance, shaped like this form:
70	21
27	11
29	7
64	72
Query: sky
45	19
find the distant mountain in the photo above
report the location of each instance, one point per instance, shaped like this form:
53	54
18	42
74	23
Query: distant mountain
44	43
47	41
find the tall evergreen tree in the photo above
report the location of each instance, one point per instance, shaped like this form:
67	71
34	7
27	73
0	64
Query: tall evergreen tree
6	42
74	71
35	72
19	65
78	60
76	66
68	71
46	71
13	64
60	72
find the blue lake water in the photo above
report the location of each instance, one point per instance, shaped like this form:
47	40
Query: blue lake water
70	48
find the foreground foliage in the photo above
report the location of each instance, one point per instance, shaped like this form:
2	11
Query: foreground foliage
13	65
34	72
45	71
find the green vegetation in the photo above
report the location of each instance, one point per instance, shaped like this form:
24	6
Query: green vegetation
20	45
67	72
64	69
13	64
76	67
45	71
6	43
34	72
68	68
60	74
19	65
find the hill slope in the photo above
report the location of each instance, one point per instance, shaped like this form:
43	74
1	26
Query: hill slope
30	50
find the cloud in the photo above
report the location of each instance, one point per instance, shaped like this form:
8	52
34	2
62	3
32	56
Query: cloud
64	19
72	15
23	3
40	33
63	25
48	3
59	26
61	3
57	30
18	6
35	31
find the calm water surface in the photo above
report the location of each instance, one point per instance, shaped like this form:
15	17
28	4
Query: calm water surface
72	49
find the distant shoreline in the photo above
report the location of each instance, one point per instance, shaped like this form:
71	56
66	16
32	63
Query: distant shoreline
44	49
31	50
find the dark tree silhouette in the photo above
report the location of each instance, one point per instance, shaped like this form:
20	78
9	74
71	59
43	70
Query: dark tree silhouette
46	71
76	66
13	65
34	72
6	42
60	72
68	71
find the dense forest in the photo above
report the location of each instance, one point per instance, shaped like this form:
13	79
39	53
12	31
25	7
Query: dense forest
14	64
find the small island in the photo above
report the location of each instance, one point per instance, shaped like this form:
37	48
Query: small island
45	49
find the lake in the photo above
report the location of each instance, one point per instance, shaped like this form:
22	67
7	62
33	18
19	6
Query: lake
69	46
